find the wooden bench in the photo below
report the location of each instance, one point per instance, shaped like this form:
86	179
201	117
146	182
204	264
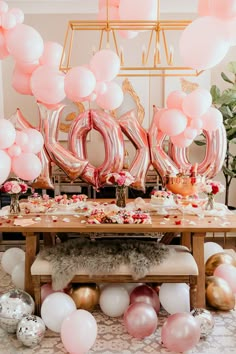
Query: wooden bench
178	267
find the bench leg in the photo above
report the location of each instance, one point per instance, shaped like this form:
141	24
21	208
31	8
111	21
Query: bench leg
37	294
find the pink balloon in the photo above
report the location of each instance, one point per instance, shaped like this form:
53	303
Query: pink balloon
180	332
181	140
146	294
21	138
5	166
222	9
103	3
138	10
101	88
190	133
105	64
196	124
140	320
21	82
113	13
14	150
3	7
35	141
212	119
228	273
127	34
18	13
112	98
7	133
3	48
172	122
27	166
203	8
79	82
47	84
52	54
8	21
79	332
210	43
197	103
27	67
46	289
175	99
24	43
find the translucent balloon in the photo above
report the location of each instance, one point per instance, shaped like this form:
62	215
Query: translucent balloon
79	82
27	166
79	332
55	308
35	141
172	122
175	297
140	320
112	98
5	166
11	258
180	332
7	133
105	64
114	300
211	248
18	275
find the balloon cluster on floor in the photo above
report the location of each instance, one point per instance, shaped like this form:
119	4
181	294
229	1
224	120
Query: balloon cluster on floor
220	269
213	33
13	263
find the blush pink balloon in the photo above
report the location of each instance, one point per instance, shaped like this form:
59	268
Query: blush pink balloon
113	13
146	294
112	98
35	141
197	103
3	7
7	133
3	48
27	166
140	320
181	140
14	150
21	138
47	84
172	122
222	9
27	67
101	88
127	34
210	43
180	332
5	166
24	43
52	54
79	332
21	82
8	21
103	3
175	99
228	273
212	119
46	289
18	13
190	133
105	64
196	124
203	8
79	82
137	10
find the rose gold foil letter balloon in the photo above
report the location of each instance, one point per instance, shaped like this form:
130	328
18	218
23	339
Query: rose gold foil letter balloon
72	166
138	136
159	158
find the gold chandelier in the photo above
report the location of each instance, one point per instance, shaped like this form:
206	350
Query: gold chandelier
156	56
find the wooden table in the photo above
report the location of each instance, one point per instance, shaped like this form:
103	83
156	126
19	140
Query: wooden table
193	234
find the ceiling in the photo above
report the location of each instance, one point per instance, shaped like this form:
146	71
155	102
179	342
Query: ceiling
91	6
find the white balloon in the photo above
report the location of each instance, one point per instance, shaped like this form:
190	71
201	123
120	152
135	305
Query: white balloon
11	258
114	300
18	275
55	308
175	297
211	248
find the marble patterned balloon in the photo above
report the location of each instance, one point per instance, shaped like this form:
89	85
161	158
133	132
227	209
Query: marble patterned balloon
13	306
30	330
205	320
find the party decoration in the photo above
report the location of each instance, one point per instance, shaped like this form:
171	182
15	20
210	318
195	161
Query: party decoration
7	134
18	275
197	103
175	297
52	53
223	10
46	289
219	258
5	166
79	332
85	296
175	99
211	248
205	321
34	141
120	180
114	300
30	330
146	294
79	83
112	98
26	166
228	273
134	10
219	294
180	332
140	320
172	122
21	82
131	127
105	64
55	308
11	258
14	305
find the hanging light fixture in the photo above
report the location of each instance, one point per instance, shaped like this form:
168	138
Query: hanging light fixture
155	56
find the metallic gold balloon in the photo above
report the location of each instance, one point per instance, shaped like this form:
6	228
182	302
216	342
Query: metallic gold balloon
85	296
216	259
219	294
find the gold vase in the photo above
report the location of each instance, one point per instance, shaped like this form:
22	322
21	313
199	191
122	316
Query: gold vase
15	204
121	196
210	202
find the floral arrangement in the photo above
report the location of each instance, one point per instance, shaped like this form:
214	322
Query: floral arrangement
63	199
14	187
121	179
213	187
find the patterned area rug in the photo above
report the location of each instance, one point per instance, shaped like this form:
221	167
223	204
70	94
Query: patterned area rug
113	339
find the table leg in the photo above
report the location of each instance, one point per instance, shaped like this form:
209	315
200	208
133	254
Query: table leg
186	239
30	253
198	254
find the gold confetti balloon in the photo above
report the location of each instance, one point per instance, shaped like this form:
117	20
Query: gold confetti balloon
219	294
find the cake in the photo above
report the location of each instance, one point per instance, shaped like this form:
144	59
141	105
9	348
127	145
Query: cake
121	217
162	198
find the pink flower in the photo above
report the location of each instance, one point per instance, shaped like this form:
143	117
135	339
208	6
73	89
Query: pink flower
15	189
121	180
7	187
